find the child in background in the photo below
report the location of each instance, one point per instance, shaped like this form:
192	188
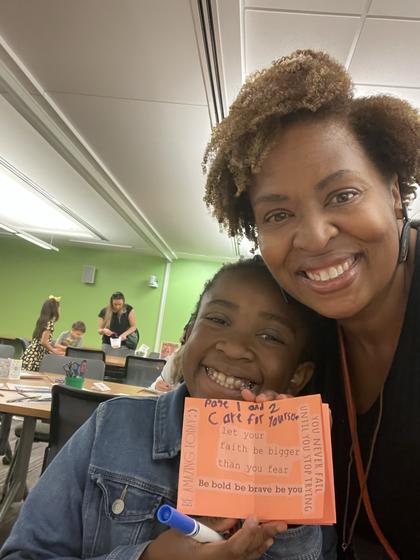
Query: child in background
40	344
72	337
246	342
169	377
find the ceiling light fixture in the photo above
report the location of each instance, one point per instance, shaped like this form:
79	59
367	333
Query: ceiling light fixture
100	243
36	241
7	228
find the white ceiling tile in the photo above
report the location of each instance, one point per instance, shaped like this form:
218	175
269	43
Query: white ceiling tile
331	6
402	8
129	48
154	150
270	35
411	95
387	53
27	151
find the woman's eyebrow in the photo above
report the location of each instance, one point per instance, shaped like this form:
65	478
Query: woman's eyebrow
274	197
330	178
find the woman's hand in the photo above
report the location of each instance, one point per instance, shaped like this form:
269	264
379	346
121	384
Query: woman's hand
123	336
107	332
248	543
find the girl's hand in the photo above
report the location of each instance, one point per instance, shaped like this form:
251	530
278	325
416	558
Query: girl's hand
58	351
267	395
162	386
248	543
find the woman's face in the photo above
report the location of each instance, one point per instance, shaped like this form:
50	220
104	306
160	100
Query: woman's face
326	220
117	304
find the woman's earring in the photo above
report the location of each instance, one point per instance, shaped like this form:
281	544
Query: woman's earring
404	237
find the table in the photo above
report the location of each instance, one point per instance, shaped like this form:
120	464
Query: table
15	485
115	361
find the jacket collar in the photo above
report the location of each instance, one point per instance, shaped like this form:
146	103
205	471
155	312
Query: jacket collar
167	431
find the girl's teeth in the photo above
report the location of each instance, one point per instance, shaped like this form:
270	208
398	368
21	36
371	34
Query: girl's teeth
227	381
331	272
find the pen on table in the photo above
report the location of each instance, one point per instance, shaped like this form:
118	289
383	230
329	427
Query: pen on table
187	525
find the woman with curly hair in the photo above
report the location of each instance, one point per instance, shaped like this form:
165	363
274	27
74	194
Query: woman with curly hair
321	182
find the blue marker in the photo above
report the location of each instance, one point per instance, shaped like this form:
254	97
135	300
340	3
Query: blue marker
187	525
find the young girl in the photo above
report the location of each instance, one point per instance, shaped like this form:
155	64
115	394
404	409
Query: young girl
40	344
99	497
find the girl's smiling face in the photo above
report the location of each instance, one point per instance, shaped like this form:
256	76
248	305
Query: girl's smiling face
326	219
245	336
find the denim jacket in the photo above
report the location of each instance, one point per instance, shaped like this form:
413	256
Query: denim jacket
128	450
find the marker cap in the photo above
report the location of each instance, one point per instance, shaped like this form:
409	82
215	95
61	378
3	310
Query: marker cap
177	520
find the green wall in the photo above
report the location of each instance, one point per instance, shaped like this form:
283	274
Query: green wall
185	286
30	274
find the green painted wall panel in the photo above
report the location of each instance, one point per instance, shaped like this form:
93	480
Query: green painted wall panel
28	275
185	286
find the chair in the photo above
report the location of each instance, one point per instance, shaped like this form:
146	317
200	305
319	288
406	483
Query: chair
70	408
85	353
55	364
142	371
7	351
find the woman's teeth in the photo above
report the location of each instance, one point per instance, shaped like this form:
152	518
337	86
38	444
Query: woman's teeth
325	274
228	381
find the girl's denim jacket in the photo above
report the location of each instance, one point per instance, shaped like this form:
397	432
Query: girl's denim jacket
128	450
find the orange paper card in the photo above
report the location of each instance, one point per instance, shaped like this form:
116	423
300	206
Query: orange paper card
272	459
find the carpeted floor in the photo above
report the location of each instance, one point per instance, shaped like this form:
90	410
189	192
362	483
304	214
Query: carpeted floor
33	475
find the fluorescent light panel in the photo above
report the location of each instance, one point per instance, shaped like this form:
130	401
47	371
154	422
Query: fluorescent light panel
25	209
36	241
101	243
7	228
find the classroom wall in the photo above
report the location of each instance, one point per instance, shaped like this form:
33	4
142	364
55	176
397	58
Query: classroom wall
28	275
186	283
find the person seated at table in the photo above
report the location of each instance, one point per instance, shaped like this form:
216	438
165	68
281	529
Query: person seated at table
118	320
99	497
170	377
41	343
73	337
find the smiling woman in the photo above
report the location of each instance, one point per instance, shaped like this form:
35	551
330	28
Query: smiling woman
321	182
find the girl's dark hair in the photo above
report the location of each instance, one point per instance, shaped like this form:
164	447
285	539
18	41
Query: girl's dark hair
304	85
256	264
50	311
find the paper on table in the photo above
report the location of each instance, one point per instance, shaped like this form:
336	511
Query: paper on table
28	388
272	459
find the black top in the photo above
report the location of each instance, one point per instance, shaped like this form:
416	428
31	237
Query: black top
393	482
118	325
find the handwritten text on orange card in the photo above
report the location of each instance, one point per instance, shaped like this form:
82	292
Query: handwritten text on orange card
239	458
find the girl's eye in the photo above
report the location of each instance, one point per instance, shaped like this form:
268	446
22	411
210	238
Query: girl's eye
268	337
277	216
343	197
217	320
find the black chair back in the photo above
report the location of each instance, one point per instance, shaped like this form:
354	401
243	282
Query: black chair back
7	351
70	408
85	353
142	371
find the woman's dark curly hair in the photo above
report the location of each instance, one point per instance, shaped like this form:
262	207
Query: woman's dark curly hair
303	85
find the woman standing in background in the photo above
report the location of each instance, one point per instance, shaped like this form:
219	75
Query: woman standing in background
40	344
117	320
